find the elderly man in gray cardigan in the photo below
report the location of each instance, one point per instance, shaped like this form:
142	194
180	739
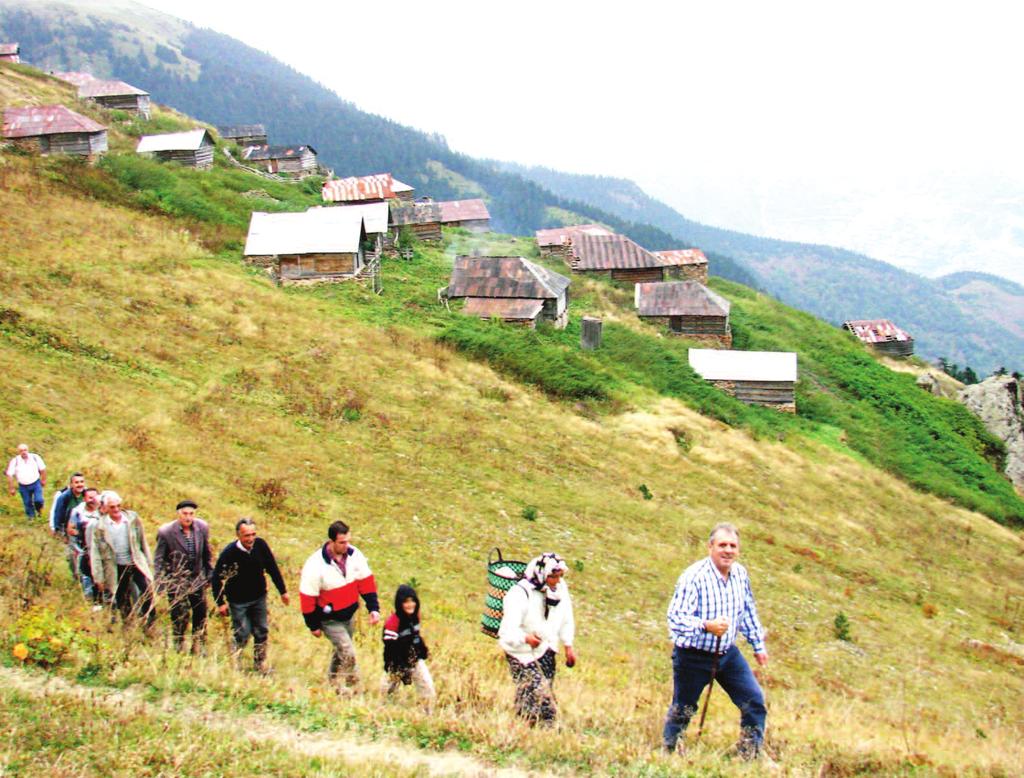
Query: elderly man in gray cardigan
183	565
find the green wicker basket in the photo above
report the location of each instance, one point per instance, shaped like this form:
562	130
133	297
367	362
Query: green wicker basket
502	575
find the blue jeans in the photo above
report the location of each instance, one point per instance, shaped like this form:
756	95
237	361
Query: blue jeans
249	618
691	672
32	499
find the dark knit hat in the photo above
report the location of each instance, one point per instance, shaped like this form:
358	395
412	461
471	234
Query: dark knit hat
185	504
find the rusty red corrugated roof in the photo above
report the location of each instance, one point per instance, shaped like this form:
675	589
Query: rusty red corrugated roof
556	236
876	331
609	252
682	257
503	307
678	298
463	210
504	277
358	188
111	88
46	120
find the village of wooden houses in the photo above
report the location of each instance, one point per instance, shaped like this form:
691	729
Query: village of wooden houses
368	219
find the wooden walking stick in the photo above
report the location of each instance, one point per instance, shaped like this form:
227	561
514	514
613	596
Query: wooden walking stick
711	685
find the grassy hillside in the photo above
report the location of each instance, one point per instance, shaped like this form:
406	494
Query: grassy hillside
134	345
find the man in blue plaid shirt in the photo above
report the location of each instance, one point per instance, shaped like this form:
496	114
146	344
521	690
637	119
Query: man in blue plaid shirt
712	603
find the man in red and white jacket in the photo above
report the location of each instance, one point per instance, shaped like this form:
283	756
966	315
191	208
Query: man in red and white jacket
333	579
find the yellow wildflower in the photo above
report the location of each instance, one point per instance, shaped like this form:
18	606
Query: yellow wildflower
20	651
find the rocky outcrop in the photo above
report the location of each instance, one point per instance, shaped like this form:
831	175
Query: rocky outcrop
997	402
927	382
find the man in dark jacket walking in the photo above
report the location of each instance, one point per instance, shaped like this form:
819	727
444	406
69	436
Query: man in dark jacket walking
240	585
183	563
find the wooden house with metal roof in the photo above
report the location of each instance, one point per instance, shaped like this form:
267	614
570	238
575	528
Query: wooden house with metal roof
116	96
615	256
883	336
422	219
10	52
554	242
321	245
244	134
685	264
687	308
298	161
468	214
754	377
54	129
193	148
509	288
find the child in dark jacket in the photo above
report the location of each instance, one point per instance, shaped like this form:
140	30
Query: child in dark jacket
405	652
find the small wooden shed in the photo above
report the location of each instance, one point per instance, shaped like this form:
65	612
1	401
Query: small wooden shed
510	288
295	161
424	219
686	264
375	222
468	214
555	241
687	308
883	336
321	245
754	377
54	129
10	52
193	148
244	134
116	95
615	256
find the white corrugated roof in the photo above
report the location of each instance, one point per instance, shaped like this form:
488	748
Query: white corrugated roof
318	230
718	365
172	141
374	214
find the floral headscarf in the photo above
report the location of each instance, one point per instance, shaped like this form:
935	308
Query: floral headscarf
541	567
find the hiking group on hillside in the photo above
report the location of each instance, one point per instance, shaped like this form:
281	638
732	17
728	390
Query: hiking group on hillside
109	557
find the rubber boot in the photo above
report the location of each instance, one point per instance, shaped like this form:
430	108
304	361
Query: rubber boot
259	658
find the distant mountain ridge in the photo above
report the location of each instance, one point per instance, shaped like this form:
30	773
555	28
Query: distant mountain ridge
220	80
836	284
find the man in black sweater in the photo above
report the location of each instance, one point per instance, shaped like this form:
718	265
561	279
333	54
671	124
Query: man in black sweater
240	584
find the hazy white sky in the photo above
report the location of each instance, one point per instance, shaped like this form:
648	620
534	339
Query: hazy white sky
670	94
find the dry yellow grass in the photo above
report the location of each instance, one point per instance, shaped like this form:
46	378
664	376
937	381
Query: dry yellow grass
215	382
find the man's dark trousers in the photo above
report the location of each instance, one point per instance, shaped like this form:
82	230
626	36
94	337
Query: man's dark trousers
188	607
691	672
249	618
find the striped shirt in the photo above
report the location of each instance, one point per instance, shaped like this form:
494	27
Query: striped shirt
702	594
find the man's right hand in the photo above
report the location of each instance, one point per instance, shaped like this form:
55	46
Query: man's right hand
717	627
222	609
316	633
533	641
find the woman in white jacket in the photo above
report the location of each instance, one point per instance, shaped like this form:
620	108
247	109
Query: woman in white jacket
536	618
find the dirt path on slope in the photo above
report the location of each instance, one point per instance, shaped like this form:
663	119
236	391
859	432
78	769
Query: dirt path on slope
357	752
